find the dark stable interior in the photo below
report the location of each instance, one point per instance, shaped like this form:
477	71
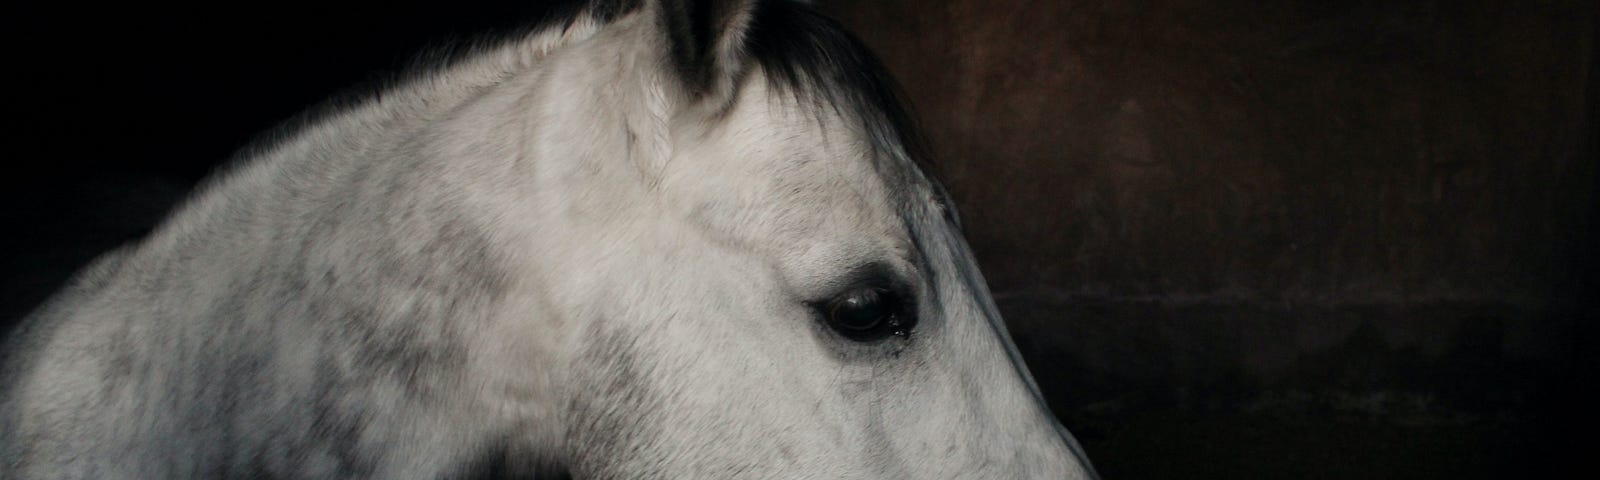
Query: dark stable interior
1304	240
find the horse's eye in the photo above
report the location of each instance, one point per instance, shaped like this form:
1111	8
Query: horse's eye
867	313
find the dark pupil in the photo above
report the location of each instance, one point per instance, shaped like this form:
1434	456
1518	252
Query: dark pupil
862	310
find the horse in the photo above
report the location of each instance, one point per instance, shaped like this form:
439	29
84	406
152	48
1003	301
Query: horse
641	239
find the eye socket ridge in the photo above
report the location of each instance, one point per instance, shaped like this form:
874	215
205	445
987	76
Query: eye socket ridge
868	311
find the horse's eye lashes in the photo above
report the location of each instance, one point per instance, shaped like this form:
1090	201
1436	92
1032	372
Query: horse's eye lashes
624	239
868	313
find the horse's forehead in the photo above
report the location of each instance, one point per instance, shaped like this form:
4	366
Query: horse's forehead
799	176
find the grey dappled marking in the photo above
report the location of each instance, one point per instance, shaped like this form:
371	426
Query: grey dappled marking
573	252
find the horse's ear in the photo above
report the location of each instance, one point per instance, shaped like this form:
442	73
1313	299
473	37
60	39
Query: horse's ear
705	39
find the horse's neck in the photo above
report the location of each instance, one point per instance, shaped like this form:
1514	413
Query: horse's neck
422	99
327	148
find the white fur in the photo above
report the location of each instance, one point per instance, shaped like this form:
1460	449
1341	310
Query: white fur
547	251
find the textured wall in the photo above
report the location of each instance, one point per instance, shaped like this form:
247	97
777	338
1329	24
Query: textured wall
1369	152
1253	220
1310	239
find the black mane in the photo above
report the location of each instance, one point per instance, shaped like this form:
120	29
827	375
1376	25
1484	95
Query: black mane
817	60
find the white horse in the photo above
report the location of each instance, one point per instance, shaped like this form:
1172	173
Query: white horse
646	240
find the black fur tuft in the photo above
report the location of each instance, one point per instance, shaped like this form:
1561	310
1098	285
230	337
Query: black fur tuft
695	31
815	59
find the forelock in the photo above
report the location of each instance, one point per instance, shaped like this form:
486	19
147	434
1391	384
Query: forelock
814	61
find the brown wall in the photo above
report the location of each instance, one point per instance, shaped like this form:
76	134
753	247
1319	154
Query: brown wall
1208	204
1369	152
1295	239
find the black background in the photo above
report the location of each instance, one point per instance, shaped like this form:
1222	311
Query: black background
115	111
